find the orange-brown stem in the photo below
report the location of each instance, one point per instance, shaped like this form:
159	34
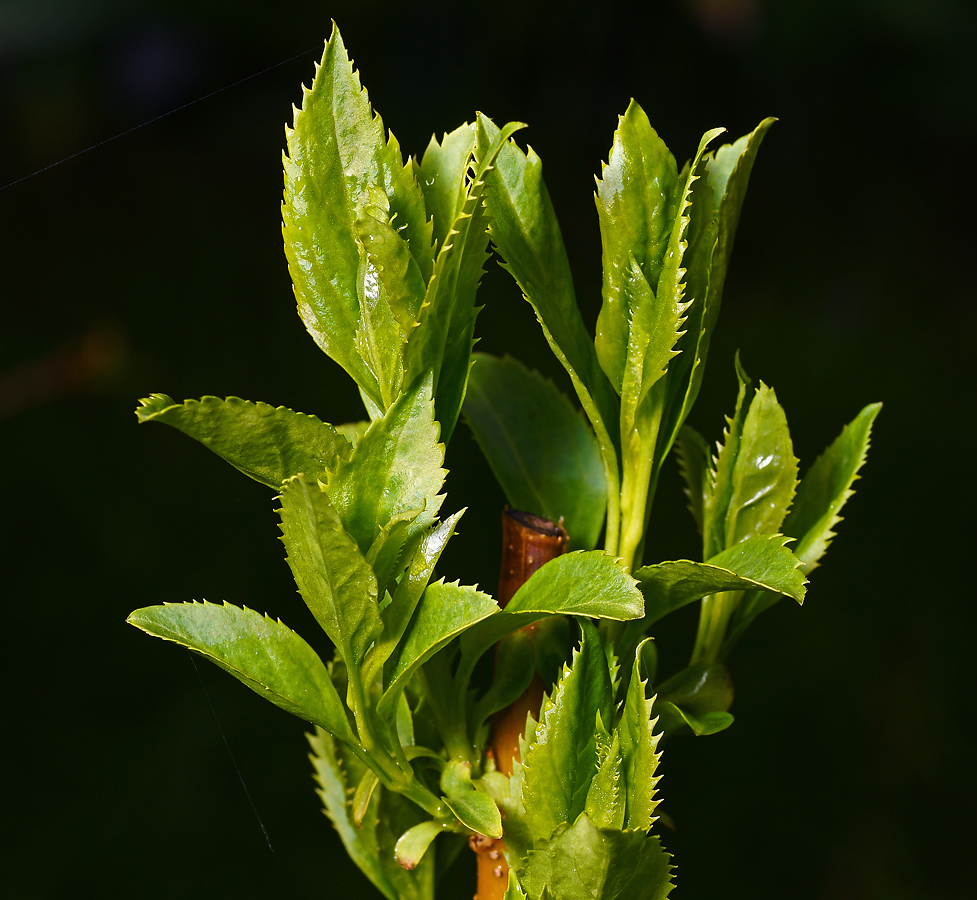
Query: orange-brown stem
528	542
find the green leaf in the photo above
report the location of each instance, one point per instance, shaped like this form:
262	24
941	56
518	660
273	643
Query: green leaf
359	841
268	444
526	234
719	487
693	461
638	744
394	468
515	664
443	176
606	798
477	811
560	762
584	862
443	340
673	719
398	612
413	843
698	697
513	891
582	583
717	199
541	451
333	578
445	610
822	493
261	653
761	562
765	472
637	200
340	165
826	487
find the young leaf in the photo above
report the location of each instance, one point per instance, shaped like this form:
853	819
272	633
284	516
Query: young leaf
477	812
445	611
268	444
637	200
339	165
606	798
764	475
359	839
332	576
397	613
717	199
442	341
261	653
699	696
525	232
413	843
394	468
443	175
719	488
561	760
541	451
761	562
584	862
826	487
674	719
638	744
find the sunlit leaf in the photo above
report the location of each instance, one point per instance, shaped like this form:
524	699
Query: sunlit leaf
639	743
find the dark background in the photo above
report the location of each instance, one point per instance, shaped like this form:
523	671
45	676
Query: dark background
153	262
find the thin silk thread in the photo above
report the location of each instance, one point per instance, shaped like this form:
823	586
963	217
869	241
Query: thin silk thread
151	121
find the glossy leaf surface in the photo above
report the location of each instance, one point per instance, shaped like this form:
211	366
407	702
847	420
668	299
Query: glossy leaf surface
267	443
332	576
541	450
340	172
263	654
477	811
395	468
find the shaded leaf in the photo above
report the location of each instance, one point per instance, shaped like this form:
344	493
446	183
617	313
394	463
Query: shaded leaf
541	451
673	719
413	843
261	653
267	443
764	475
693	461
526	234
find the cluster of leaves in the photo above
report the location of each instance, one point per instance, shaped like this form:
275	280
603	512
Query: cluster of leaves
386	257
